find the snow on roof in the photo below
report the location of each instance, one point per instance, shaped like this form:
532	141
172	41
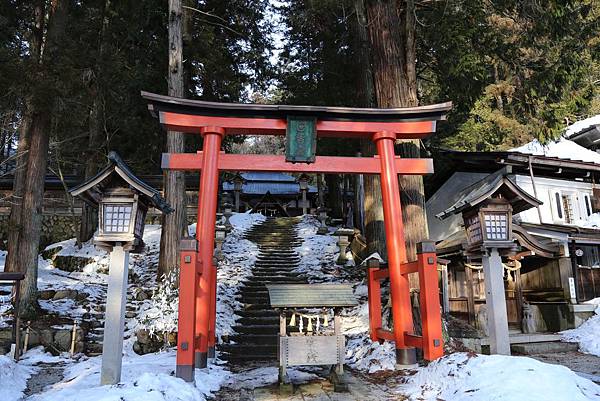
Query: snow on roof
581	125
562	149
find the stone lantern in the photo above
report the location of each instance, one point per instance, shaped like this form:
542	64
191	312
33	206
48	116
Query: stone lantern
487	209
322	216
220	234
303	183
122	201
227	212
343	235
238	184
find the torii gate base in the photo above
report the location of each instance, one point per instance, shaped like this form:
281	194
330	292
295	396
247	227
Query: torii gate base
197	293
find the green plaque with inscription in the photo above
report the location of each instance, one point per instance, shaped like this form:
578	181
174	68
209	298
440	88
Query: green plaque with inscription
301	139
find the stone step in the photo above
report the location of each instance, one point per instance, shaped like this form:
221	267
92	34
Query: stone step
543	347
237	350
262	320
275	279
257	329
287	269
264	312
278	259
273	273
268	339
247	357
277	265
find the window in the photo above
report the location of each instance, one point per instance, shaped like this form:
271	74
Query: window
496	226
116	218
558	205
588	204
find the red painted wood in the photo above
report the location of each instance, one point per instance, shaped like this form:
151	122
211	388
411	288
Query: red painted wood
430	307
269	126
410	267
205	233
384	334
394	233
323	164
413	340
374	299
188	275
381	274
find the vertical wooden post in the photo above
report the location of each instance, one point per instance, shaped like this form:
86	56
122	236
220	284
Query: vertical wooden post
495	299
396	247
205	234
282	333
212	335
114	324
188	280
374	298
433	346
470	294
17	324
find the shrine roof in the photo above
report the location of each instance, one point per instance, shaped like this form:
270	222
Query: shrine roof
159	103
311	295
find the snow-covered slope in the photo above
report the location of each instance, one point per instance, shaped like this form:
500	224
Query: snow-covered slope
587	335
472	377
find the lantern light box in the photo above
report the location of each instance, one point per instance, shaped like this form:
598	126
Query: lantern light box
122	201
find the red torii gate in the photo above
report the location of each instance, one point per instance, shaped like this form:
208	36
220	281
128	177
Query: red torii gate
197	296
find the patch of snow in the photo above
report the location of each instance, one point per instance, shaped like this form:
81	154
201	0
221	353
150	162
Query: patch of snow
316	252
148	377
466	377
370	356
581	125
562	149
588	334
13	378
2	260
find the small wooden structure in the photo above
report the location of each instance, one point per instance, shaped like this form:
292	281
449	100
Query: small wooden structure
14	280
122	201
313	344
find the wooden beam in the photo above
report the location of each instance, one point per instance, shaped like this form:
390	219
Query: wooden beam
323	164
413	340
385	334
192	123
409	267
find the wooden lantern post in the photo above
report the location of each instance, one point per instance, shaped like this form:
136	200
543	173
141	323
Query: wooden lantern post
122	201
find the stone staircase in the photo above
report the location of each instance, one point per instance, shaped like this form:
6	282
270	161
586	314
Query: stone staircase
255	337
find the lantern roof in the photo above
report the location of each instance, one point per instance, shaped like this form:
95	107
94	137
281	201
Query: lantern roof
91	190
490	186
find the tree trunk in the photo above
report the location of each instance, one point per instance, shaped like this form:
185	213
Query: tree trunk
89	215
174	224
14	222
373	206
334	195
393	46
33	194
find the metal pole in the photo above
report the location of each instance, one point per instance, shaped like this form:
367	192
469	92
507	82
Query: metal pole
495	300
205	233
394	232
114	324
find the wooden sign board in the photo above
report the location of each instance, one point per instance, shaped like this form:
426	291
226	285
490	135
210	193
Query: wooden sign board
301	139
311	350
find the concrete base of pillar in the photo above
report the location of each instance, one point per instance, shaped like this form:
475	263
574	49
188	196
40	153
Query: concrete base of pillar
201	360
185	372
406	358
211	352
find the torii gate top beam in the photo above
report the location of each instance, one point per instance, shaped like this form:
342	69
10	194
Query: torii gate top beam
186	115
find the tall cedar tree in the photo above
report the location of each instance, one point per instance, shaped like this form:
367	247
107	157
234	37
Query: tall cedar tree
174	224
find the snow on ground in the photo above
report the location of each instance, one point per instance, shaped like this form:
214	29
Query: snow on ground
462	377
265	376
2	260
147	377
562	148
13	378
240	255
319	253
587	335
